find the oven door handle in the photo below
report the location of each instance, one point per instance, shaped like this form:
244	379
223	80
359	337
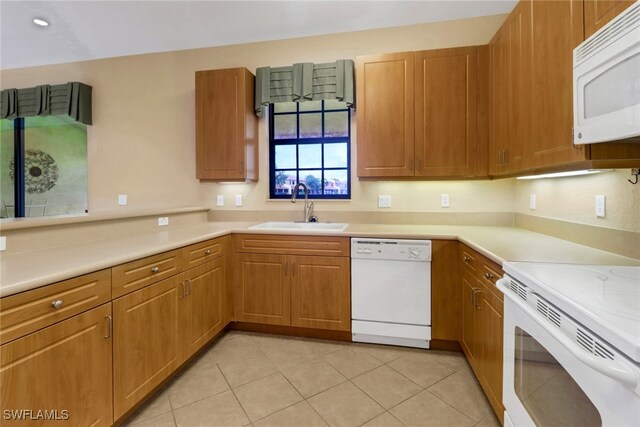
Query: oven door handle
612	368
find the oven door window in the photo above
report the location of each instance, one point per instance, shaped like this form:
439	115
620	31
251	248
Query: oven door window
547	391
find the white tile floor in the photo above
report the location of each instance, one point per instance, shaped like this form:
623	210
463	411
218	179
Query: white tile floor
270	380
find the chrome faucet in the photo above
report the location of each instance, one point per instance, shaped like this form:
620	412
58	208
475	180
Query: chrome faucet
308	207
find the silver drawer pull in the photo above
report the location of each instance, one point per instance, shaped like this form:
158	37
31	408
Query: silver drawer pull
467	259
207	252
488	276
57	304
155	269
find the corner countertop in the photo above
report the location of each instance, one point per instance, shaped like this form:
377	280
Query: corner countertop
24	271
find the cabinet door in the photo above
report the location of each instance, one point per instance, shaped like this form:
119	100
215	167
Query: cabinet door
510	121
557	28
262	291
498	125
597	13
147	346
468	333
203	304
65	367
517	35
446	112
224	124
321	293
385	115
490	327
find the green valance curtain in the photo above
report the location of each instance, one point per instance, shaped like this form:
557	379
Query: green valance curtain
72	99
305	82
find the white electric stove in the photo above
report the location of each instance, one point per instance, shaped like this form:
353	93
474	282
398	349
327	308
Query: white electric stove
571	344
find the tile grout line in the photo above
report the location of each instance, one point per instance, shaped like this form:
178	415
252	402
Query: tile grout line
234	394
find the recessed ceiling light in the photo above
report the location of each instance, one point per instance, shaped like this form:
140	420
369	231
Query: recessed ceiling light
41	22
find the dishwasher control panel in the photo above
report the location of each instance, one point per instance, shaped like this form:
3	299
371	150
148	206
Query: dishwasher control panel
394	249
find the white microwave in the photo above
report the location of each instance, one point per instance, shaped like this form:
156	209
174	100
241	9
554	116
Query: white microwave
606	81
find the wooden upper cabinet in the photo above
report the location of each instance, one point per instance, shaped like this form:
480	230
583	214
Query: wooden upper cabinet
226	125
557	28
597	13
446	112
385	115
510	87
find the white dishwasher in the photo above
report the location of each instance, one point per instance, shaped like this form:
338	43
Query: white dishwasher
391	291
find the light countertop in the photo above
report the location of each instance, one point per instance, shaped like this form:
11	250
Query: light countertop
23	271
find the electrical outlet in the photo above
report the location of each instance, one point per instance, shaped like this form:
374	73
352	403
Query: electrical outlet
384	201
238	199
444	200
3	243
601	206
219	200
532	202
122	199
163	220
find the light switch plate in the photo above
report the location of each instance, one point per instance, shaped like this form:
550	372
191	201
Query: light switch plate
122	199
601	206
444	200
163	220
219	200
532	202
384	201
238	199
3	243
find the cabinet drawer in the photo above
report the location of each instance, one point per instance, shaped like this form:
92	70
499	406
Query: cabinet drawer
200	253
140	273
30	311
490	274
292	245
468	259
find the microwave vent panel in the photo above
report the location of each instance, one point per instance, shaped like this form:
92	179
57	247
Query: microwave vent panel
622	24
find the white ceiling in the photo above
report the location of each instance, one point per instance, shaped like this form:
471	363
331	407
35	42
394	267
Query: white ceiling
82	30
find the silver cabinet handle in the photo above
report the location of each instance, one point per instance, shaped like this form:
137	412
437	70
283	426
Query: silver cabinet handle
109	326
181	290
155	269
207	252
488	276
57	304
286	267
466	258
187	287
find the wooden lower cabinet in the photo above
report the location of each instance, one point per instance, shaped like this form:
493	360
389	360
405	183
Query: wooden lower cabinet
468	330
290	281
489	346
203	304
146	347
262	289
64	369
481	335
320	293
159	327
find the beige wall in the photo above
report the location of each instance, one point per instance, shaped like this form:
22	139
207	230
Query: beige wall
142	140
573	199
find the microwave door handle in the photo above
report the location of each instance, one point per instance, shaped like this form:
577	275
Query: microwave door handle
611	368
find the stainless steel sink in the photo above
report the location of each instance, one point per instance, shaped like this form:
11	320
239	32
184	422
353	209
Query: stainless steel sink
306	226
